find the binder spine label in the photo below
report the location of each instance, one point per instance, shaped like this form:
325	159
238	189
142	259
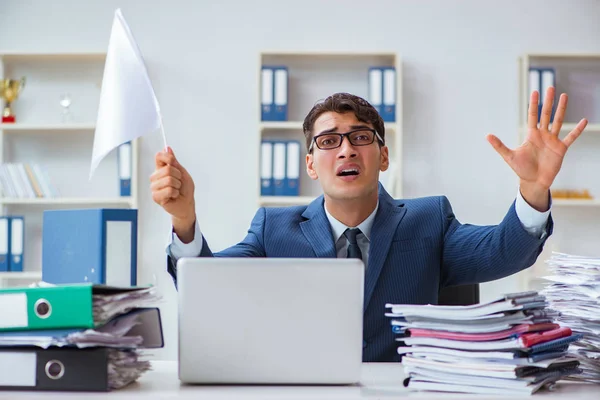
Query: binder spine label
18	369
13	310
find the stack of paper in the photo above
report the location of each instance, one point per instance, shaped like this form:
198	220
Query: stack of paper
91	331
574	291
509	346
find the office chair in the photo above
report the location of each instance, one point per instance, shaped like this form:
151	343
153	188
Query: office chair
463	295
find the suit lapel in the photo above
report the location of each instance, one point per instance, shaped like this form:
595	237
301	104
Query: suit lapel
385	224
317	229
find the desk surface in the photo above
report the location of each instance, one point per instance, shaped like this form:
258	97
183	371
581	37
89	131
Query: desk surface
380	381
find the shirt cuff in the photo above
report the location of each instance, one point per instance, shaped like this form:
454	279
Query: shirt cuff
177	249
533	221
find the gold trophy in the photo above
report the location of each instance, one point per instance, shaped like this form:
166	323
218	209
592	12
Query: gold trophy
9	91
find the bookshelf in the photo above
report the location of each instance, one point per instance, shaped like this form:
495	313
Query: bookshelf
578	75
62	146
313	76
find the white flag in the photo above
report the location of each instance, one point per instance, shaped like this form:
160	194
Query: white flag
128	106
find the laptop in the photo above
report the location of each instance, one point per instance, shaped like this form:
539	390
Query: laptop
270	320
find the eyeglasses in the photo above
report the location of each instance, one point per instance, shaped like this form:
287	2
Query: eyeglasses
358	137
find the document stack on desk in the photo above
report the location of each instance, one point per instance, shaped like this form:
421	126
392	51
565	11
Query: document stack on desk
574	291
76	336
506	346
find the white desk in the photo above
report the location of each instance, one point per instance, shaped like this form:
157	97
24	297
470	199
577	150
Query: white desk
380	381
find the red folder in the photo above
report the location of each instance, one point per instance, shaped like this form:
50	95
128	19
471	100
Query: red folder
530	339
483	337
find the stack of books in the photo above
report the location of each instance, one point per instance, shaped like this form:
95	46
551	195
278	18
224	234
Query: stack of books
574	291
82	337
506	346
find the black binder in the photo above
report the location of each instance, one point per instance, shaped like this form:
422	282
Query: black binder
60	369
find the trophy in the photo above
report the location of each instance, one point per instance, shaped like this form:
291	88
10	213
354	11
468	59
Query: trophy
9	91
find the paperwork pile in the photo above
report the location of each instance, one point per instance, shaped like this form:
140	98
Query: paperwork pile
506	346
574	291
77	336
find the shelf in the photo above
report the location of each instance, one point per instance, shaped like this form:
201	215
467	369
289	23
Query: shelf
69	200
47	56
47	127
297	125
565	55
327	54
21	275
281	125
576	202
285	200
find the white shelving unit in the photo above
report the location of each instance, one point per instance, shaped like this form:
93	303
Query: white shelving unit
578	75
314	76
16	127
64	148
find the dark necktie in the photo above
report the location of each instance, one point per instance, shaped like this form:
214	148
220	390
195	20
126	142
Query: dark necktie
353	249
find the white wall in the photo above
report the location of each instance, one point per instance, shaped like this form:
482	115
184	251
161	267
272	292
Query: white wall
460	64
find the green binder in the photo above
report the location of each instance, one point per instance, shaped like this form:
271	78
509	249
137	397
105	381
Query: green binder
59	307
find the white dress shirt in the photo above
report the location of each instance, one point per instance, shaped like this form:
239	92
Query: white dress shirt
533	221
363	239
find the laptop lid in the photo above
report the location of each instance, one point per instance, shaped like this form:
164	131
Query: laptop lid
270	320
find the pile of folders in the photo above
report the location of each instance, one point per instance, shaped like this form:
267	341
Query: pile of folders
507	346
81	337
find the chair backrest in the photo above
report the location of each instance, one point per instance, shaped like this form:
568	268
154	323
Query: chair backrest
463	295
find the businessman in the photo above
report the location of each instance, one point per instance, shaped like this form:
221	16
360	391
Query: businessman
411	248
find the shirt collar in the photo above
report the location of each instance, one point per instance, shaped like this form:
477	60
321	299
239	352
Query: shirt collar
338	229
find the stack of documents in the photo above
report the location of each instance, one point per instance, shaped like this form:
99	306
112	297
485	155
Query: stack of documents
508	346
76	337
574	291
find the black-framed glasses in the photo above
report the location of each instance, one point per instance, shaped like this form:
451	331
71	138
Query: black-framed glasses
357	137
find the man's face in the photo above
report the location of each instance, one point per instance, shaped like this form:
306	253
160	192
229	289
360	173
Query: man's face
346	172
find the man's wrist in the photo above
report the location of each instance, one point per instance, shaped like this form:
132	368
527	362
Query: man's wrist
184	228
535	195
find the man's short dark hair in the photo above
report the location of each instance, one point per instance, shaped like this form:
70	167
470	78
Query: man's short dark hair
343	103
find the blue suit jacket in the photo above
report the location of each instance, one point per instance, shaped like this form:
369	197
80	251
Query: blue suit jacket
417	246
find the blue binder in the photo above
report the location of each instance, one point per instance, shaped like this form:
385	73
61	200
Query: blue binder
4	243
17	243
274	93
547	79
279	161
376	88
267	110
388	108
280	94
292	169
90	245
266	168
540	79
125	165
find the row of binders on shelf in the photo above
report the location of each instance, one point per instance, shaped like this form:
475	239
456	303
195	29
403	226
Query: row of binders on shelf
95	245
26	181
382	91
280	168
12	243
275	92
540	79
511	345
